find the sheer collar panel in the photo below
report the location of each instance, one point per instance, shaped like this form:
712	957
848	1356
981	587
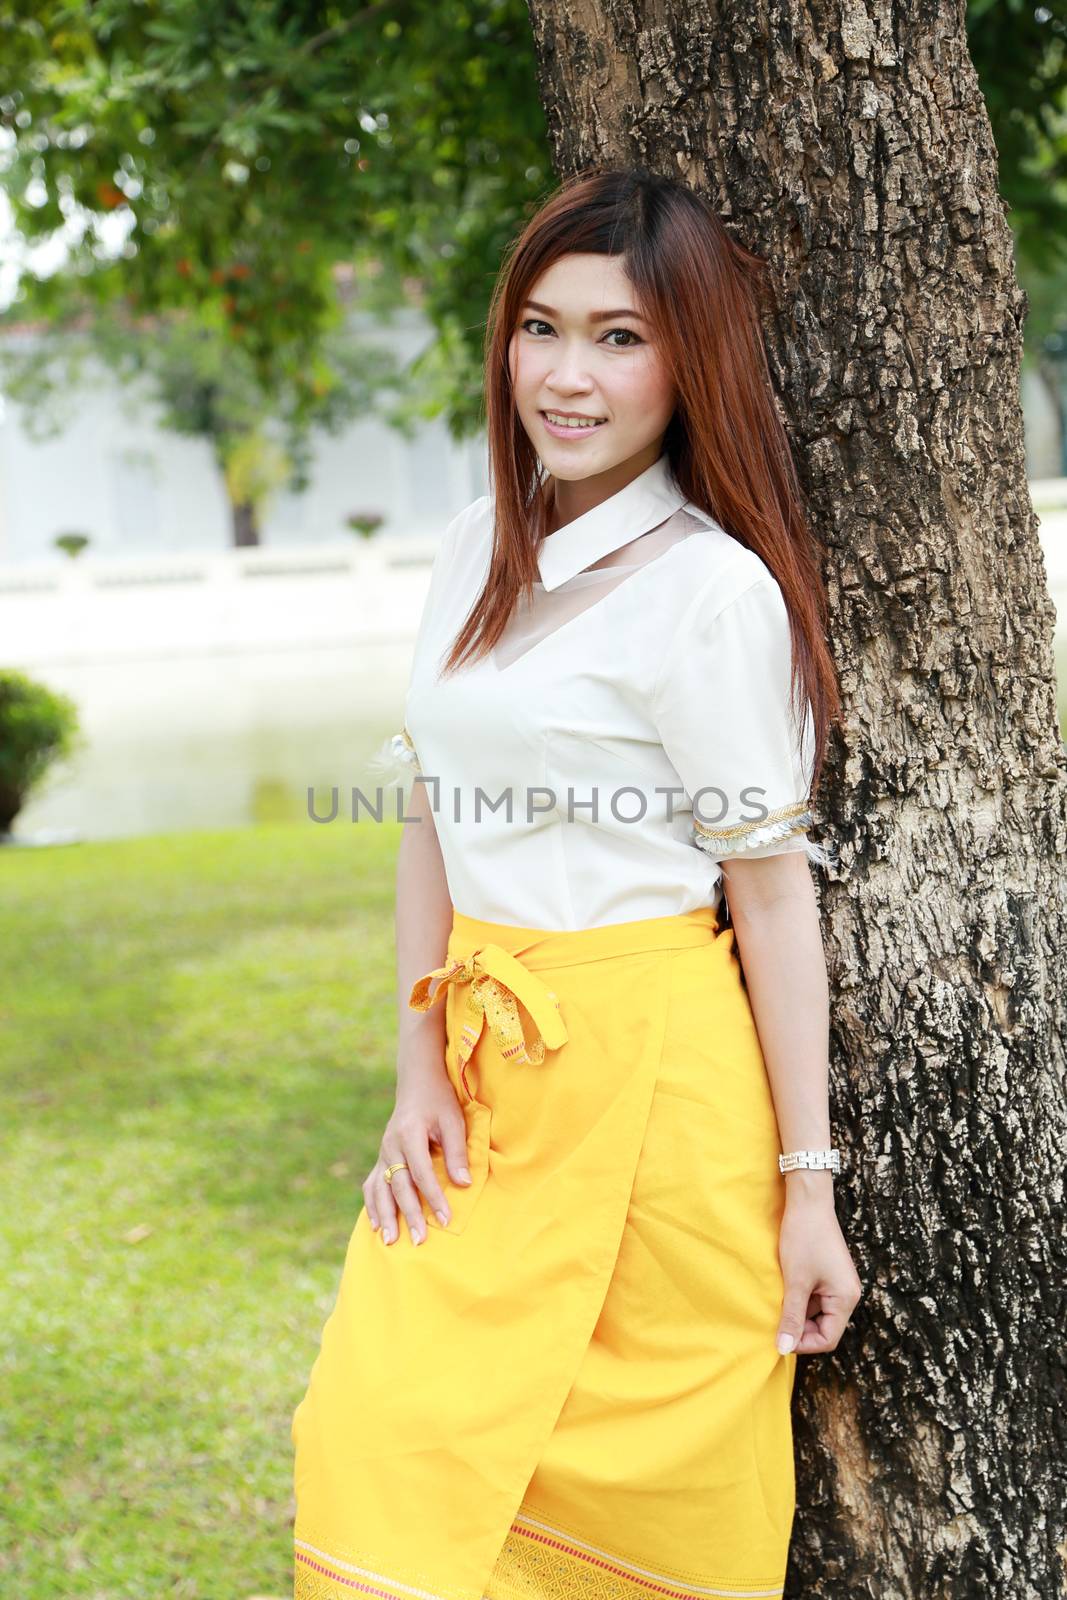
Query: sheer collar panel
644	503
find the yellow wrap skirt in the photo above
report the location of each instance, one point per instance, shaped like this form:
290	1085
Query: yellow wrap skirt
573	1388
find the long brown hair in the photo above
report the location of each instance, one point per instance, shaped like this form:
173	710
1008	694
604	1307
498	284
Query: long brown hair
726	443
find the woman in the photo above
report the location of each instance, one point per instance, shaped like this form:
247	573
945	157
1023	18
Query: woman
569	1369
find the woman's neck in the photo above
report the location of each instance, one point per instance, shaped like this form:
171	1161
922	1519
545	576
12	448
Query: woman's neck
573	497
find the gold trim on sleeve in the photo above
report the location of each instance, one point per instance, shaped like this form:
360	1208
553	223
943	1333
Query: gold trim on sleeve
768	828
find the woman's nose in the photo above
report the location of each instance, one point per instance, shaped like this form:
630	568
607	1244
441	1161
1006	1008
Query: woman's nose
571	369
569	379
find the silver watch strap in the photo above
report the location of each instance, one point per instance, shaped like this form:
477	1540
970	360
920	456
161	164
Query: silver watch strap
813	1159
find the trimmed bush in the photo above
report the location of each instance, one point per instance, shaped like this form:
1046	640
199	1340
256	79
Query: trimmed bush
38	726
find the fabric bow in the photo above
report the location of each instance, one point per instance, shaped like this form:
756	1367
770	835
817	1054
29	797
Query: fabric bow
497	982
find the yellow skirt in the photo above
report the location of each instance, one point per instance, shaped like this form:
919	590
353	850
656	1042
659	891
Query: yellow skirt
573	1389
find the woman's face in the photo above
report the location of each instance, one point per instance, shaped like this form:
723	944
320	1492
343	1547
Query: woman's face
583	349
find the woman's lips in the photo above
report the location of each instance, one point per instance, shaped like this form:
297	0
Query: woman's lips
570	433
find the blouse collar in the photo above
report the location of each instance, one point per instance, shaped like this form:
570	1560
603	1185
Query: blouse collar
644	503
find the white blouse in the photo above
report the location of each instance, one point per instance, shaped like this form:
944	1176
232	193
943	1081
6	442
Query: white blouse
649	671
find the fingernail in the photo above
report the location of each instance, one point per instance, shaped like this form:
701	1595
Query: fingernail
785	1343
461	1172
442	1219
387	1235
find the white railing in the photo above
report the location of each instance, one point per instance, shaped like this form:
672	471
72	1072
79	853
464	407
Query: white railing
94	608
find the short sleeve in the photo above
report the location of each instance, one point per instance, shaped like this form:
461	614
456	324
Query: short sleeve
396	760
723	713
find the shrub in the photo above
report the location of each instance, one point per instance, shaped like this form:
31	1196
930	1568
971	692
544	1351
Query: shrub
38	725
72	544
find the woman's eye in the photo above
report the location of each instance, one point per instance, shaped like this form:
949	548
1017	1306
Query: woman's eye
532	322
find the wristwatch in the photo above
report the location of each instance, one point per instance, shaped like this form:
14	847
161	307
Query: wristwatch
814	1159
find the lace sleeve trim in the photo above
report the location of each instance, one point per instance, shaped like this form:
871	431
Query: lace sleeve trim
776	826
396	759
761	830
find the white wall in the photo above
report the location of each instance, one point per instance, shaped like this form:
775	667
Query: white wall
1044	455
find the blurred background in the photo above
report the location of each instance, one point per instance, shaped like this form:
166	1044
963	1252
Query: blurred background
245	261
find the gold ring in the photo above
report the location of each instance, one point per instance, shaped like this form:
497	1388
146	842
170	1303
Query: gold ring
396	1166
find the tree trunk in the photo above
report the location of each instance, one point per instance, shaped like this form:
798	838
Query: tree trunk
10	805
245	524
849	145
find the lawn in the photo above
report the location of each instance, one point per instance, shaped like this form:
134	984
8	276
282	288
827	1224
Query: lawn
196	1062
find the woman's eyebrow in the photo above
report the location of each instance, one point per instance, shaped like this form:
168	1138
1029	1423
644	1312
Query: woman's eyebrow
598	316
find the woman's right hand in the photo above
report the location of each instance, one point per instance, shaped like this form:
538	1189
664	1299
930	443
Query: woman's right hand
426	1110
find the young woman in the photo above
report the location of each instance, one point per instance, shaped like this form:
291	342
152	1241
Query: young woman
561	1357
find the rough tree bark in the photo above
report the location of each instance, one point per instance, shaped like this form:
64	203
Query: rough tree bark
849	144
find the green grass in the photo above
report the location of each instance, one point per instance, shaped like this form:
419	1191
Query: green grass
196	1043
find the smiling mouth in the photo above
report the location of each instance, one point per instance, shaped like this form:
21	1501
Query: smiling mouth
573	424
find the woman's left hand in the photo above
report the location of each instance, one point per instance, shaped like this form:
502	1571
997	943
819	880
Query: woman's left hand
822	1286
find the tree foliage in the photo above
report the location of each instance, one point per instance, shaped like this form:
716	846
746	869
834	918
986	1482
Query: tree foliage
249	151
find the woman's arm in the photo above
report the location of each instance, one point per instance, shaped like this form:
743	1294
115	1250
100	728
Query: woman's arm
776	924
775	917
423	924
426	1104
